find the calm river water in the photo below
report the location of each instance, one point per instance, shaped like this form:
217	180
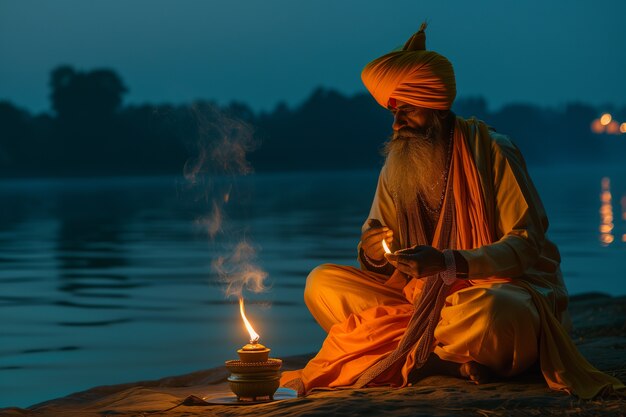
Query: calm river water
108	281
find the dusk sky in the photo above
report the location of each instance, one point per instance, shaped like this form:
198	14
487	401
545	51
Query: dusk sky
262	52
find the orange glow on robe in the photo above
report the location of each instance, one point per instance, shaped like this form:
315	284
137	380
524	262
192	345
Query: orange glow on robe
356	344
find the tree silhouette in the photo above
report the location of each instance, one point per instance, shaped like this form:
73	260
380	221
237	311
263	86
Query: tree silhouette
86	134
95	95
15	130
91	133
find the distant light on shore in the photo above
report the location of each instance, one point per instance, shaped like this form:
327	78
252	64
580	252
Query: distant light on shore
597	127
612	128
607	124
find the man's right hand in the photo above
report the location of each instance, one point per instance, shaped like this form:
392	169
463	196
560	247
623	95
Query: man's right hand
371	240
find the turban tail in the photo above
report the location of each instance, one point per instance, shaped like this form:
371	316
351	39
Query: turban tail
413	75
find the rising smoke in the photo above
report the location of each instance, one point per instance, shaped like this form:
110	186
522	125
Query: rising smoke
221	146
239	270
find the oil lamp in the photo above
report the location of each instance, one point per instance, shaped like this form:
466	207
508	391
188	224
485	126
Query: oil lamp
255	376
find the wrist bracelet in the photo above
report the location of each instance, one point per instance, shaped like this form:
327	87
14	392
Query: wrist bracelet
370	262
449	275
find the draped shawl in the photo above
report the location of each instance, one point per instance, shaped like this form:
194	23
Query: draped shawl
380	346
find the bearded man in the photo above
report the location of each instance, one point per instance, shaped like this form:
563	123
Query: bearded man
474	288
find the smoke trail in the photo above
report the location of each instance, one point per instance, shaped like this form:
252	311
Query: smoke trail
239	270
212	223
222	144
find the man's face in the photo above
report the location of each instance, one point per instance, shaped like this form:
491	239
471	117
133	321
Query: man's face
413	153
409	120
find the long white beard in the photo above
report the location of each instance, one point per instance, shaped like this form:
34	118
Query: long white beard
414	165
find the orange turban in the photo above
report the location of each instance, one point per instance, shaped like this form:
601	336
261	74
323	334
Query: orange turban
413	75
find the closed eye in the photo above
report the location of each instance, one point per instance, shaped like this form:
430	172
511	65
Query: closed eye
404	109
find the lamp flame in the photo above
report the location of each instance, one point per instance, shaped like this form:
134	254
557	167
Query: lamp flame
254	337
385	247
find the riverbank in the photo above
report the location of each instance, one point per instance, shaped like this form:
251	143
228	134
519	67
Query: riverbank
599	332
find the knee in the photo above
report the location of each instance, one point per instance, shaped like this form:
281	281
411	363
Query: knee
505	310
318	283
510	328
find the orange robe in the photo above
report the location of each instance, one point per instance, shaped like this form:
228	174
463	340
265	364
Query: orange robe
504	316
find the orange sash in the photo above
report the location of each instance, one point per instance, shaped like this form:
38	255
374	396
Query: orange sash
370	347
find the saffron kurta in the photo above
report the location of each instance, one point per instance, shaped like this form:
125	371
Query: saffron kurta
513	210
504	316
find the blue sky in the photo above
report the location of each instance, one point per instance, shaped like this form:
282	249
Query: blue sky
261	52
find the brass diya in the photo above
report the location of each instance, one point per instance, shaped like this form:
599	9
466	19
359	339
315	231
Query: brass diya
255	376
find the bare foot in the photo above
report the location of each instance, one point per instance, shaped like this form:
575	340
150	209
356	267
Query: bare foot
473	371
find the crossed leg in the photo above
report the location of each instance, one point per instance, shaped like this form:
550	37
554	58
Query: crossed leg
484	330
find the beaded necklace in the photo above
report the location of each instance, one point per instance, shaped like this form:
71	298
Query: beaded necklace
443	179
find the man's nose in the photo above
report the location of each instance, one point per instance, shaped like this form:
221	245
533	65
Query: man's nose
398	121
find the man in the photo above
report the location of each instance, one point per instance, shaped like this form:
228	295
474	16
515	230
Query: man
474	287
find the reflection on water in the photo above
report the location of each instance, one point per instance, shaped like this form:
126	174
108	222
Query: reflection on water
110	281
606	213
623	201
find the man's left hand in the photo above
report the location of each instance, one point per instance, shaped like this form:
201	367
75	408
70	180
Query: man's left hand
418	261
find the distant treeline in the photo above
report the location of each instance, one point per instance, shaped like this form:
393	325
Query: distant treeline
89	132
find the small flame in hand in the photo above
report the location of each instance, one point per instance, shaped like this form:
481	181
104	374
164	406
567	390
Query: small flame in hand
254	337
385	247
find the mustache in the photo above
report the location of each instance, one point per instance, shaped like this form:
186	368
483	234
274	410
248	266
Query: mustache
408	132
410	135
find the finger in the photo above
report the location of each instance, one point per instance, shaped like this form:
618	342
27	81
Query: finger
394	257
405	251
391	257
409	267
376	238
375	232
394	263
408	258
413	249
376	252
405	269
411	263
370	238
373	247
